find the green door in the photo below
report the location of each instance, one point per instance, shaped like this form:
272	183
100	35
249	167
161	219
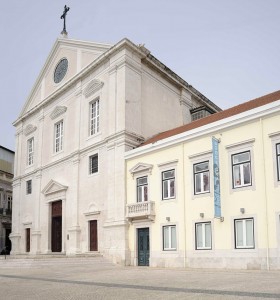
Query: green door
143	247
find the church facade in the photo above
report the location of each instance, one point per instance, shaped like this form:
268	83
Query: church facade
90	104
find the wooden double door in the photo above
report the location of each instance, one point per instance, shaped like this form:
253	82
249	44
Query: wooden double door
56	223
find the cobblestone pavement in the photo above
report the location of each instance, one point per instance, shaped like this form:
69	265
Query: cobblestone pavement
97	278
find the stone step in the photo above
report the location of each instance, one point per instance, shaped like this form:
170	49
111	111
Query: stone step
27	261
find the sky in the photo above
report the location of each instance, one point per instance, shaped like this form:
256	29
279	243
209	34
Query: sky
229	50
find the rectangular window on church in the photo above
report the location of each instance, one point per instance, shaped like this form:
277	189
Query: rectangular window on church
30	151
28	186
93	164
94	117
58	134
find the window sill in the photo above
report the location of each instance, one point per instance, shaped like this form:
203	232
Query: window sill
243	188
90	137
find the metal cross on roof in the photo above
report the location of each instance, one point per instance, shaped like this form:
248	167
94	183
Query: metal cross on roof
63	16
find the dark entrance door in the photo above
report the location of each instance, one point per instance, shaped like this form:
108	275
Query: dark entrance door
143	247
27	240
93	238
8	243
57	226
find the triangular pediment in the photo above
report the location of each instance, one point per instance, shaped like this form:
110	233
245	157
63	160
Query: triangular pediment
54	187
141	167
79	54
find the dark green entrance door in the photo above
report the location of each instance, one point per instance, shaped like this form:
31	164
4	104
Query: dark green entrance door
143	247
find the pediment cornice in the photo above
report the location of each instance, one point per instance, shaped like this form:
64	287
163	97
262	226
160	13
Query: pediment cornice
59	110
92	87
29	129
141	167
54	187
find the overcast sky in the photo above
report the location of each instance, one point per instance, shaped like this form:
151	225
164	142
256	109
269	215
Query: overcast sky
227	49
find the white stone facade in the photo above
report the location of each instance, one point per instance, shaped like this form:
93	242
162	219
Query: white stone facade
71	137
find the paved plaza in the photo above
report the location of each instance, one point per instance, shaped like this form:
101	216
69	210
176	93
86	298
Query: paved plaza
97	278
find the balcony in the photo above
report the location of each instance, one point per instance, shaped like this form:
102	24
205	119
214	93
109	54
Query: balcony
140	211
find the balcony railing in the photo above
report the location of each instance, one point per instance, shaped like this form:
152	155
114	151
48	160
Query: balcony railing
140	210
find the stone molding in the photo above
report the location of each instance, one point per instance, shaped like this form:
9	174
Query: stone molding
54	190
59	110
29	129
92	87
141	167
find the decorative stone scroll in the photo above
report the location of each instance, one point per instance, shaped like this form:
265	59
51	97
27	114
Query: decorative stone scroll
59	110
92	87
29	129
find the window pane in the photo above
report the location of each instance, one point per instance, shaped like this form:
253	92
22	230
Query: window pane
173	237
197	183
145	193
249	233
206	182
279	167
202	167
236	175
199	242
278	148
165	189
142	180
172	188
208	235
139	194
168	174
241	157
247	173
239	233
165	237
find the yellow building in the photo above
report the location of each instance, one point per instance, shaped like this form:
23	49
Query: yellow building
207	194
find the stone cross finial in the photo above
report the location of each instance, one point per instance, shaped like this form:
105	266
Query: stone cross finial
63	16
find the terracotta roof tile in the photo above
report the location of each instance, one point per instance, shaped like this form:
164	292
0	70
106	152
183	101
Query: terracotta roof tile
217	116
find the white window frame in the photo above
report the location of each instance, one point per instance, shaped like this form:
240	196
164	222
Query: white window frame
94	117
140	189
201	175
278	160
203	238
91	157
244	233
244	146
241	167
275	139
170	246
28	187
30	151
168	181
58	136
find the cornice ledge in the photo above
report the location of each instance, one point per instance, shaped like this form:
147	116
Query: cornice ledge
59	110
93	86
29	129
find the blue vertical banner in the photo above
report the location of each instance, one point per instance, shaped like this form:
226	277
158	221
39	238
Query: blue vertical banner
216	177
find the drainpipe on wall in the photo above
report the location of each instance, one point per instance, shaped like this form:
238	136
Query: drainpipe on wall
265	192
